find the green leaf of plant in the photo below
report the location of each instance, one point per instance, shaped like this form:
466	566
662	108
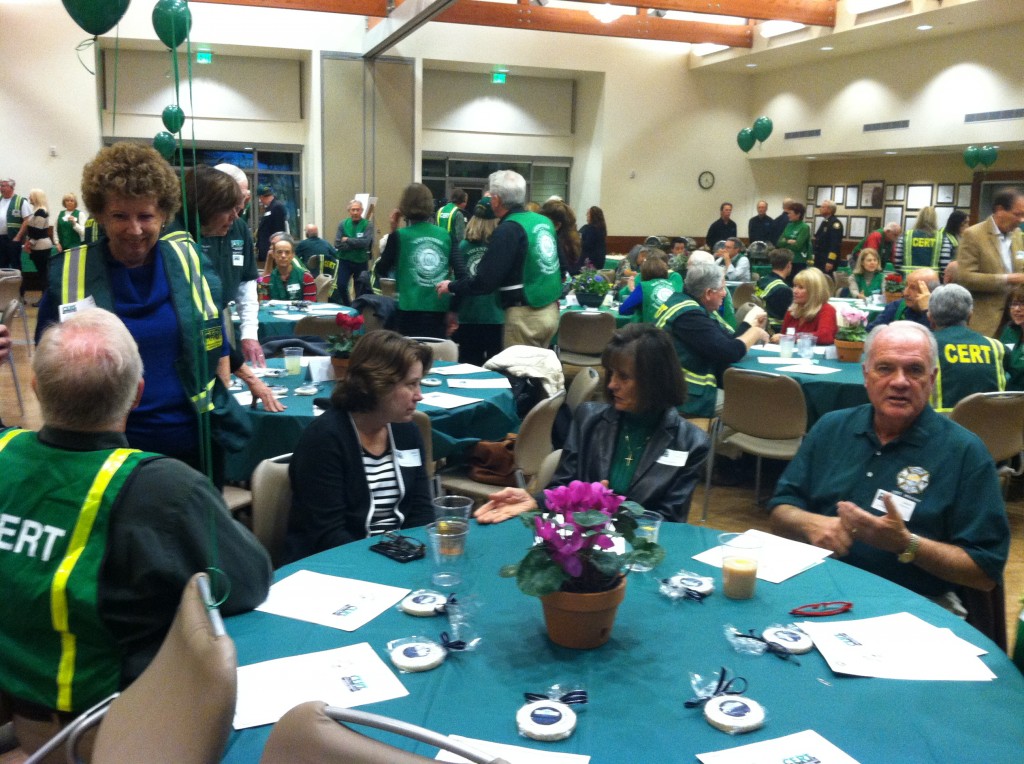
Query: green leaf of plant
591	518
538	574
608	563
509	571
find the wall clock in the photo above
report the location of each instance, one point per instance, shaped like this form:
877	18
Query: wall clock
706	179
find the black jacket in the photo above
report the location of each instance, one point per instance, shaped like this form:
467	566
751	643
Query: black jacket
656	486
330	496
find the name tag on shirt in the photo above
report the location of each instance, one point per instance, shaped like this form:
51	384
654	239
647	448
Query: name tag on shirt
903	505
1020	254
408	458
69	309
673	458
237	258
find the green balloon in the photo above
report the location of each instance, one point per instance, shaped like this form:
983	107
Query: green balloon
988	155
173	117
164	143
972	156
762	128
172	21
96	16
745	139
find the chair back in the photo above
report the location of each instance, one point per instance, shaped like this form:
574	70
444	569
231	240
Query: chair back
764	405
371	320
271	504
324	287
583	387
585	332
315	326
8	312
440	349
10	285
744	293
388	287
547	470
422	421
534	441
842	279
312	733
996	418
180	708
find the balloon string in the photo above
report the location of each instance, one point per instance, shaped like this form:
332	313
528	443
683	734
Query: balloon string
82	46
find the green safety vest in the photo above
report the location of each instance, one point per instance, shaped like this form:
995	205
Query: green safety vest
921	251
14	217
765	287
423	255
54	524
82	273
480	309
446	216
542	274
968	363
353	230
701	385
656	293
66	233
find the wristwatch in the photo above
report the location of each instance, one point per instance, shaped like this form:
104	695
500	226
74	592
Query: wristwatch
910	553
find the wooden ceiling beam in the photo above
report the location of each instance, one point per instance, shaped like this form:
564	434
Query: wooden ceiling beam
820	13
350	7
643	27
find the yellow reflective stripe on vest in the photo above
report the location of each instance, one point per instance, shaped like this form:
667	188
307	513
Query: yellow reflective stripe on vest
72	288
202	400
58	587
670	313
9	436
701	380
181	244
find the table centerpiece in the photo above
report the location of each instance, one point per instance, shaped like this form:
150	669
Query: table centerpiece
850	334
590	287
576	569
340	345
894	286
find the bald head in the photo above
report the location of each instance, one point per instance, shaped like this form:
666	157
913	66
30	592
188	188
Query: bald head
923	275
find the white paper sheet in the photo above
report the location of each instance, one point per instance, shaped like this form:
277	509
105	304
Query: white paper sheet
896	646
481	384
244	398
801	746
286	316
447	400
513	754
803	367
779	360
779	558
346	677
341	603
457	368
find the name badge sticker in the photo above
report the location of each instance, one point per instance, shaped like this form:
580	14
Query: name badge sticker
903	505
237	259
1020	254
673	458
69	309
408	458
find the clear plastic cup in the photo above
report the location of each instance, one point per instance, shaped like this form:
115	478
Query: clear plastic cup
787	343
740	554
647	526
447	551
293	361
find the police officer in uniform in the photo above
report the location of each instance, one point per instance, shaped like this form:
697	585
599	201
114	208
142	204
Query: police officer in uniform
828	239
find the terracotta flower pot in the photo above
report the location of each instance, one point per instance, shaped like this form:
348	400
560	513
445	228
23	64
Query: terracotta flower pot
340	366
582	621
893	296
848	351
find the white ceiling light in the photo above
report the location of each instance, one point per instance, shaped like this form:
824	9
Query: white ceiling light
925	27
776	27
866	6
608	13
707	48
826	47
751	66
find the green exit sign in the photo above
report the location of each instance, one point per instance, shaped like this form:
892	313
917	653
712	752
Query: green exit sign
498	78
204	57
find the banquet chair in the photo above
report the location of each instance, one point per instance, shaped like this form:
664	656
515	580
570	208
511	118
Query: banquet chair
179	709
10	289
547	469
532	446
271	504
440	350
583	336
315	326
324	287
764	414
842	281
744	293
422	421
313	733
389	287
6	317
583	387
998	419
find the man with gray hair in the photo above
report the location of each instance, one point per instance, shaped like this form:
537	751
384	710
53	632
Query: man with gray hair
914	304
705	343
521	264
883	241
893	487
828	239
730	255
97	540
969	362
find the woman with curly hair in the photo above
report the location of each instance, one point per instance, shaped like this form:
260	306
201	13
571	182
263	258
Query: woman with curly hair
152	280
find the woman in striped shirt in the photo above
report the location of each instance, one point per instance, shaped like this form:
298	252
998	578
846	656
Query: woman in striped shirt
358	469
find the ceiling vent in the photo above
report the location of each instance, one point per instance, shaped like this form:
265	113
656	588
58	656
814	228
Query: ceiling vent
802	134
994	116
874	127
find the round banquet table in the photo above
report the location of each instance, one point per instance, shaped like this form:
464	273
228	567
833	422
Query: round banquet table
638	681
278	317
824	392
490	418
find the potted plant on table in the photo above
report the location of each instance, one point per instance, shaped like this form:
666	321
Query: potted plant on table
590	286
894	286
850	334
340	345
577	567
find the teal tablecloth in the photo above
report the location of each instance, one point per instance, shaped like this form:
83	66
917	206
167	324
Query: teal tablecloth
275	327
453	429
638	682
823	393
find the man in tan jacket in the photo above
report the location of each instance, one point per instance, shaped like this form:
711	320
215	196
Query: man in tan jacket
991	258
